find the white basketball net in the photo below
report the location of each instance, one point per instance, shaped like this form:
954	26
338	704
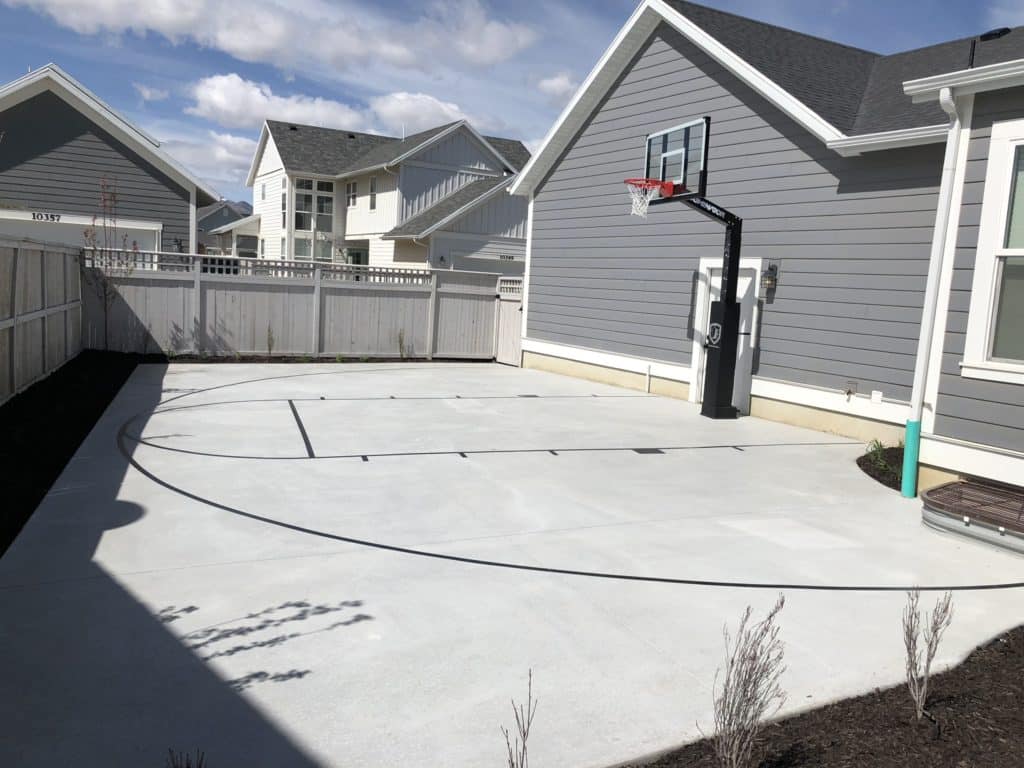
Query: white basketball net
640	196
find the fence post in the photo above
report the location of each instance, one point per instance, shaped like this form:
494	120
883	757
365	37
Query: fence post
497	317
13	353
197	298
46	305
432	317
317	276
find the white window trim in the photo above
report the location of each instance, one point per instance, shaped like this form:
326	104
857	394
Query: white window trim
1006	137
372	193
351	194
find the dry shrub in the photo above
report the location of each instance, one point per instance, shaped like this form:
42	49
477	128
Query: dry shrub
919	661
750	689
516	746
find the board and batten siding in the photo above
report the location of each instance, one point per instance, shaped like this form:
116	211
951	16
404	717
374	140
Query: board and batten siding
53	159
459	149
270	183
978	411
501	216
851	235
423	186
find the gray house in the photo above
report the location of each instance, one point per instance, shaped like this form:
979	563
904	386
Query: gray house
882	279
60	146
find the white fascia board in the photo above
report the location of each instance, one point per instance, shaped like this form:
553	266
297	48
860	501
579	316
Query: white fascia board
237	224
257	157
614	61
54	79
874	142
1005	74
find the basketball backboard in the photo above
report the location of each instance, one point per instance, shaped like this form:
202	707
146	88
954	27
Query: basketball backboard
679	155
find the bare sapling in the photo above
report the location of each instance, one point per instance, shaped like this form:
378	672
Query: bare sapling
747	689
919	660
185	760
516	744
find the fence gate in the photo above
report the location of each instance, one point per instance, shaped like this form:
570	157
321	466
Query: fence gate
510	320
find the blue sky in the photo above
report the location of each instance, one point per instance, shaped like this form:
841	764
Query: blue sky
201	75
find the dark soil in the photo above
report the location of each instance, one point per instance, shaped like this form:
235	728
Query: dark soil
978	711
43	426
886	466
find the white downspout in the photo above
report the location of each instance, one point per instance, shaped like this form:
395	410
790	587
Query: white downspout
912	442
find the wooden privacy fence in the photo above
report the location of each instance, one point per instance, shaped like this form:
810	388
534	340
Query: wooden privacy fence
40	312
171	303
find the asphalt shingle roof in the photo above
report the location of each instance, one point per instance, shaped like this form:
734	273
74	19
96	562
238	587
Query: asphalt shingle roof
855	90
333	152
444	208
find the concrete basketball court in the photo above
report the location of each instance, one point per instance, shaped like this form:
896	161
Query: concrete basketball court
206	596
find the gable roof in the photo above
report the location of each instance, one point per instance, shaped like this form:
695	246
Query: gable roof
337	152
236	210
449	208
55	80
851	99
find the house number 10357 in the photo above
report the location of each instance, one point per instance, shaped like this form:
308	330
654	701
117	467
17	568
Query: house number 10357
45	216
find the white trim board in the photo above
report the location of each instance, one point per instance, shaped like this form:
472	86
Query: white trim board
833	400
972	459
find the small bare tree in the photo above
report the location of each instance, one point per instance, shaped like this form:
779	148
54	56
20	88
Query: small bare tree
108	251
185	760
516	746
919	661
750	689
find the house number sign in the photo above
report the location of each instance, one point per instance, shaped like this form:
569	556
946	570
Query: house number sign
40	216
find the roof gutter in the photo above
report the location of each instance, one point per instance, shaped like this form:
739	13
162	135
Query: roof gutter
1005	74
912	440
873	142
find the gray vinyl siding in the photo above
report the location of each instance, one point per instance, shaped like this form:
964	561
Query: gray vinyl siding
851	235
501	216
985	412
422	186
477	253
53	159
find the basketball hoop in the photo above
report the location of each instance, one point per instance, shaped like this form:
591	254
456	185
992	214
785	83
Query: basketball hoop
643	191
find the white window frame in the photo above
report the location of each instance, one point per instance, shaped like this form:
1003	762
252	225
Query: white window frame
977	362
373	193
351	194
263	191
681	151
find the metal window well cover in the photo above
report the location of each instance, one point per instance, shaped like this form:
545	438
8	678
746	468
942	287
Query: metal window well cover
990	512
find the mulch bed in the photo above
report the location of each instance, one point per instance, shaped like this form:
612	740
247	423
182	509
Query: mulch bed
978	708
43	426
886	467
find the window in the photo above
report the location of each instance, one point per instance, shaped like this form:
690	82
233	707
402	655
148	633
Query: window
263	191
284	248
303	248
303	212
314	219
350	194
304	184
325	186
994	348
323	250
284	210
263	248
373	193
324	213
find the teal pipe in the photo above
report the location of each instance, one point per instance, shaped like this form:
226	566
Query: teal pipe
911	453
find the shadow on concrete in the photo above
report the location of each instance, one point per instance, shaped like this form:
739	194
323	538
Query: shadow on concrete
91	676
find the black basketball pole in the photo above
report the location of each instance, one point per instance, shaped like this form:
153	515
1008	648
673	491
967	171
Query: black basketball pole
724	322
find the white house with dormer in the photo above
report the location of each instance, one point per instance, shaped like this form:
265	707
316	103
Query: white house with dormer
435	199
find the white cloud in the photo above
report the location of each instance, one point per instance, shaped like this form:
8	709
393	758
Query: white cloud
150	94
341	35
220	159
413	111
558	88
233	102
1006	13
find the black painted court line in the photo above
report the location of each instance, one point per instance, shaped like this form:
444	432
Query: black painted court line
122	435
302	431
127	454
645	451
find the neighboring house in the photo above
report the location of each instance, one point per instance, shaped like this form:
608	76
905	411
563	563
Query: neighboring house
213	217
877	188
59	145
433	199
